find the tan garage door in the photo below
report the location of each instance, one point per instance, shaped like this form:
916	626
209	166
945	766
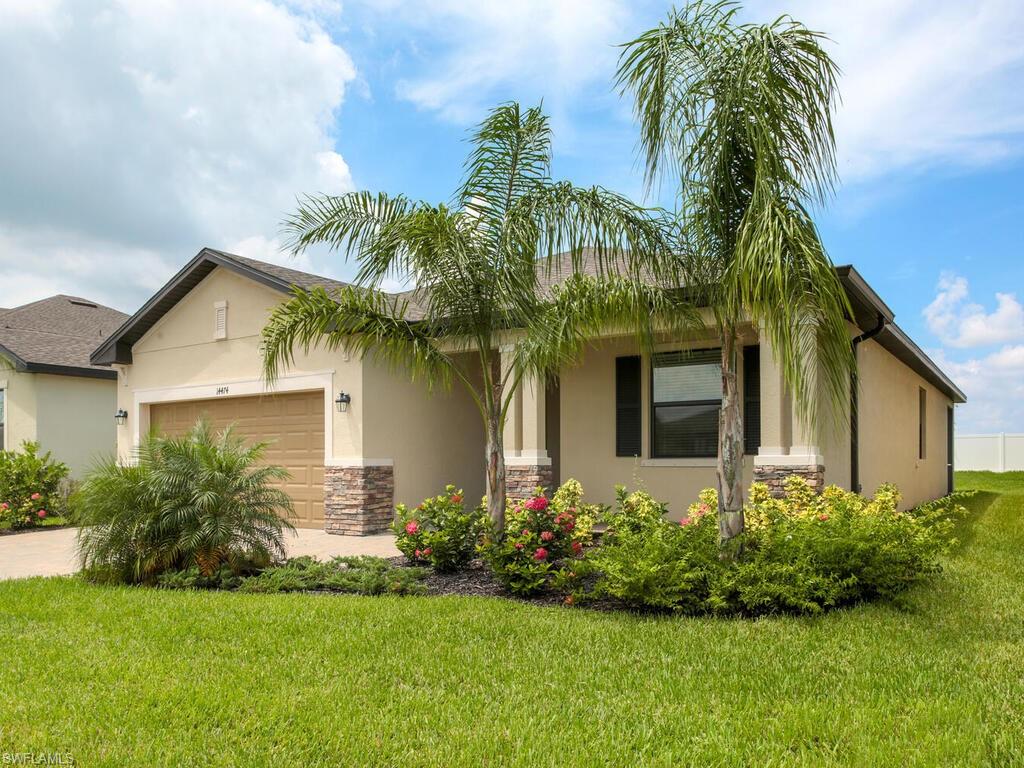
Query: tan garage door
292	423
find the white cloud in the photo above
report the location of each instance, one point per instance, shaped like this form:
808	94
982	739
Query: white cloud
925	82
534	48
994	385
135	133
962	324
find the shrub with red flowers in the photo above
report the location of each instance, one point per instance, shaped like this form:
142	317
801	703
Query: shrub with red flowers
538	536
439	532
30	486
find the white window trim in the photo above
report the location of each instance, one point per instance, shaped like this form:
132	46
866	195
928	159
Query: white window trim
322	380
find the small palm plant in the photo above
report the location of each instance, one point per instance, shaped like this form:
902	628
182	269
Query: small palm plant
201	500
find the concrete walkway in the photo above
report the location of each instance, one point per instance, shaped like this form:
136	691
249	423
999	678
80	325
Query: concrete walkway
52	553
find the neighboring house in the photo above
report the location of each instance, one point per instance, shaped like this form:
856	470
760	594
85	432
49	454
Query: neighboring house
50	392
617	417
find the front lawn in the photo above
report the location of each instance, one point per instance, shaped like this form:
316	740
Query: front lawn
119	676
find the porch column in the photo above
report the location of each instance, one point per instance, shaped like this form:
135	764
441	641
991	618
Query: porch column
789	446
512	437
532	466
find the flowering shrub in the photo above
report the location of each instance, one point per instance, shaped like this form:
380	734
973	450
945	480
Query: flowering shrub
439	532
30	485
801	553
538	534
569	498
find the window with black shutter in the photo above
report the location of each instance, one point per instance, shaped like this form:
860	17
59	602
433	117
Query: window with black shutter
751	399
686	397
627	406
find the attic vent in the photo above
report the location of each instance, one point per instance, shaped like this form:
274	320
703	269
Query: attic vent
78	303
220	320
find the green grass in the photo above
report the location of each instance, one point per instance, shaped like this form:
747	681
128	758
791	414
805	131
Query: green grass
54	521
145	677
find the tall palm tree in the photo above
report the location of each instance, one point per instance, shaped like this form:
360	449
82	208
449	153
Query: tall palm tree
478	277
741	115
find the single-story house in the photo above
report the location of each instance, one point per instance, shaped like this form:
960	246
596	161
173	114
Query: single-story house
616	417
50	392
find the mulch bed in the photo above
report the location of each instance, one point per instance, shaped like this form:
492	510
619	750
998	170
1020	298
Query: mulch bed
476	580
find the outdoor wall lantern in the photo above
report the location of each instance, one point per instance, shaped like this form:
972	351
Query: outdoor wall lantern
342	401
121	417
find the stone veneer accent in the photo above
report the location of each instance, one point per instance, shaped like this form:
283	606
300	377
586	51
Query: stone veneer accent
775	476
521	480
358	501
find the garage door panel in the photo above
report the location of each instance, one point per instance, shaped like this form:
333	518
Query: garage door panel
293	425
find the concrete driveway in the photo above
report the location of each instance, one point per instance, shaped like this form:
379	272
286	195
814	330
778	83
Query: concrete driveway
52	553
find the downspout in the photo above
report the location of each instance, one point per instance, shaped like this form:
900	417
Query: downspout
854	418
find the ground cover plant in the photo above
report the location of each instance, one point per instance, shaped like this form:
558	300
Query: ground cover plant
181	677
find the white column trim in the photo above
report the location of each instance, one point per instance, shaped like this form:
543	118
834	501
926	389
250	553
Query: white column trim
322	380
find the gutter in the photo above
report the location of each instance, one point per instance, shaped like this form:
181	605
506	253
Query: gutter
880	326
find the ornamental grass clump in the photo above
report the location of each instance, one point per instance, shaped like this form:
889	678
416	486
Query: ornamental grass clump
440	532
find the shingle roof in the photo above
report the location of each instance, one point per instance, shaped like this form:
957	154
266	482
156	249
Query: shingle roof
57	335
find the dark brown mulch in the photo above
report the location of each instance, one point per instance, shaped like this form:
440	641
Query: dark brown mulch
476	580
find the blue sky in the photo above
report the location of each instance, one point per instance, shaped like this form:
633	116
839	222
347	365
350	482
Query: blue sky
141	132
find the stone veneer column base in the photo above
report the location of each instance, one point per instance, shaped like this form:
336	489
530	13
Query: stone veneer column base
521	480
358	501
774	476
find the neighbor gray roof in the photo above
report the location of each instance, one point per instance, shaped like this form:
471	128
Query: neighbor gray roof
57	335
867	305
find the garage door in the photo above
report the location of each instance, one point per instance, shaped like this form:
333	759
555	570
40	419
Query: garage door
292	423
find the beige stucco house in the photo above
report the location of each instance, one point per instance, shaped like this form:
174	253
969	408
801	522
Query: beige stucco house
50	392
616	417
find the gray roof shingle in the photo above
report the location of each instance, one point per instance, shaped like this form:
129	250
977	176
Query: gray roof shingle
58	333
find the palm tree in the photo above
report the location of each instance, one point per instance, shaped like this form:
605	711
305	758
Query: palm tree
741	113
475	264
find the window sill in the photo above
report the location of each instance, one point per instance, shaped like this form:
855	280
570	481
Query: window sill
695	462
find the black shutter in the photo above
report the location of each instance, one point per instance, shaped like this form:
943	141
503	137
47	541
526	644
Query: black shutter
627	406
751	399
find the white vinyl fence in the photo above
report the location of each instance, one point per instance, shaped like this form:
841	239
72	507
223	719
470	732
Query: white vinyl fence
1001	452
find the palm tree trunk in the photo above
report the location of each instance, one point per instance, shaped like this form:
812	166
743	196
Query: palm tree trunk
495	473
730	445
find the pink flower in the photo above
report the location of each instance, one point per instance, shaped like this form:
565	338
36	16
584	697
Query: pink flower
703	509
569	526
526	531
685	521
519	545
823	517
540	554
418	553
5	505
547	536
427	551
412	527
537	504
577	547
456	498
35	497
41	514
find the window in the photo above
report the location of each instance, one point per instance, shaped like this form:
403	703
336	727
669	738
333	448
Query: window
922	420
751	399
686	397
627	406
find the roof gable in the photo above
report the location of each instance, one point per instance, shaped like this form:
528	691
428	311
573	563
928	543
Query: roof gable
117	348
